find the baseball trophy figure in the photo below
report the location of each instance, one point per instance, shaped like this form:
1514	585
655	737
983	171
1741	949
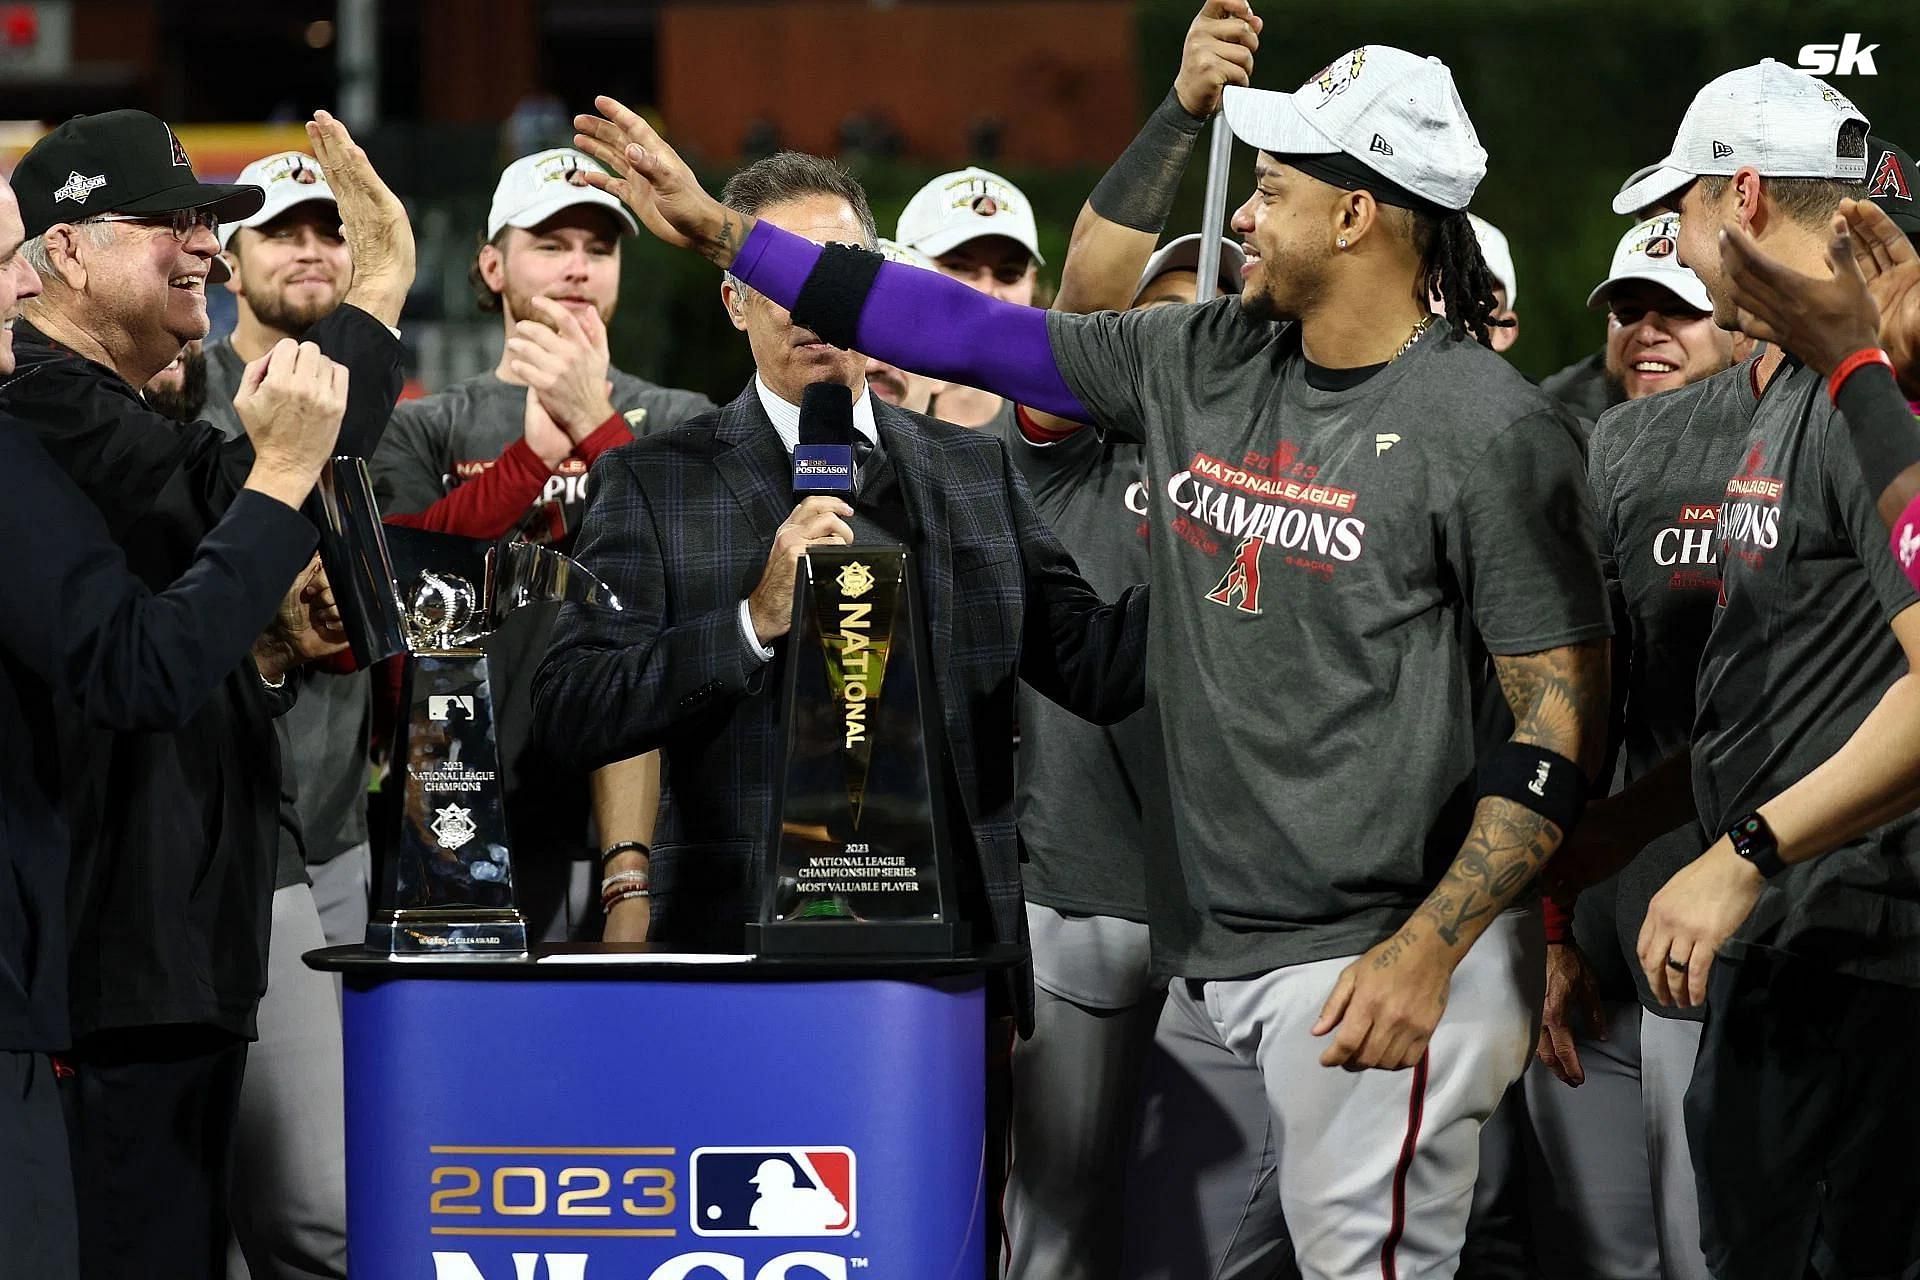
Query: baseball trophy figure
448	884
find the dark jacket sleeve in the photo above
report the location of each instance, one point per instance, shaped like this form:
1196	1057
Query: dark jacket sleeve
372	355
1077	650
73	613
613	685
122	453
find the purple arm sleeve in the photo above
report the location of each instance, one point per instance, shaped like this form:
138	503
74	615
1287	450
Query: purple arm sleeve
924	322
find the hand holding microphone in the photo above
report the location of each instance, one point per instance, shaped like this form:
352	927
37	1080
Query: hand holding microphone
823	481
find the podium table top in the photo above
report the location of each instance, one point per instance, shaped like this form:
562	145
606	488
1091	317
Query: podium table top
641	961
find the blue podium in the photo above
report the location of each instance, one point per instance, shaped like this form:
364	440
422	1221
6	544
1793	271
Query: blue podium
586	1115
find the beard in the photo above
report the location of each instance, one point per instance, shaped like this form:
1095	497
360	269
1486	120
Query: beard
183	398
276	313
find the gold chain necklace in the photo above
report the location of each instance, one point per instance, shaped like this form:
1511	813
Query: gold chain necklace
1425	322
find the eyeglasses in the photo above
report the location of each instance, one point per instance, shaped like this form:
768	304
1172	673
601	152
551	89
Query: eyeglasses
181	221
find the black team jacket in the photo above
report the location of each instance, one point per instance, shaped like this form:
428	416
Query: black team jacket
173	833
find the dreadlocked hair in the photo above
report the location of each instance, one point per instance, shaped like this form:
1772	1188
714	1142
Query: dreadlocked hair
1452	270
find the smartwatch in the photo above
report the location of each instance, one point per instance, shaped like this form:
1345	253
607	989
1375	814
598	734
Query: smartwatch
1753	840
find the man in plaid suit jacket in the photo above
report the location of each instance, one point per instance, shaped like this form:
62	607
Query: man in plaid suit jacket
681	526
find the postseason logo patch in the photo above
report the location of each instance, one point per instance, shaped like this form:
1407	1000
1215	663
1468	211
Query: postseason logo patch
773	1191
823	468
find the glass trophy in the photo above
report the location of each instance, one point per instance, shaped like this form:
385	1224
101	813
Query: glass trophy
447	887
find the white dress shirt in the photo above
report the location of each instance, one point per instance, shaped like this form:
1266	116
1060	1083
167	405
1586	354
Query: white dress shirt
786	421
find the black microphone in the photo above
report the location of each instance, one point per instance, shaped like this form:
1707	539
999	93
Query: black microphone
823	460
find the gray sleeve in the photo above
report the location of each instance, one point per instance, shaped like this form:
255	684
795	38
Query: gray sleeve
664	408
410	467
1520	540
1104	359
1853	509
1600	486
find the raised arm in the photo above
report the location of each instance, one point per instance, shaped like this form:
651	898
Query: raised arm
1871	299
1123	218
908	317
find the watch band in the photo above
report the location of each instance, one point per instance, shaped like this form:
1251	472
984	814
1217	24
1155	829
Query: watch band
1754	840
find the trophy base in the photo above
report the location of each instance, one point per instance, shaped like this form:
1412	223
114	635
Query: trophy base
478	933
857	938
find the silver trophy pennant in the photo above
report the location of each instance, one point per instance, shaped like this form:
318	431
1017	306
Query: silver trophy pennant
448	886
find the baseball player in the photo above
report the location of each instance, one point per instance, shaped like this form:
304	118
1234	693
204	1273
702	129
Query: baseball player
1355	505
1797	925
978	228
1657	466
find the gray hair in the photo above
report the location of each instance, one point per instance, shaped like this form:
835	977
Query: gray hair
795	175
99	234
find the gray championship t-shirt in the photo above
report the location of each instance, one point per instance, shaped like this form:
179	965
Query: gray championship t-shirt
1330	571
1585	388
435	444
1800	654
1082	786
1658	467
324	736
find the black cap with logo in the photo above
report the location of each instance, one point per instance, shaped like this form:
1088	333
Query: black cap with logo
1890	179
117	162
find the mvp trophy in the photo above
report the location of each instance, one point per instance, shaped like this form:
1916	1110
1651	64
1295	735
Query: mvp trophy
860	864
448	885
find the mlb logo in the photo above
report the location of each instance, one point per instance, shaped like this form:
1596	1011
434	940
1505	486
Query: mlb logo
773	1191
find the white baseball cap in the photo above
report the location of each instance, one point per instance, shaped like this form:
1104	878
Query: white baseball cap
967	204
1650	251
1773	118
893	251
288	178
1395	112
1184	255
1498	254
534	188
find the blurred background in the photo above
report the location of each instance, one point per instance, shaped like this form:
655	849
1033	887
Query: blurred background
1569	97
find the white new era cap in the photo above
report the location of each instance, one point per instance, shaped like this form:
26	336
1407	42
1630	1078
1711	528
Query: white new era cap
288	178
1498	254
534	188
967	205
1184	255
1651	252
1395	112
894	252
1781	122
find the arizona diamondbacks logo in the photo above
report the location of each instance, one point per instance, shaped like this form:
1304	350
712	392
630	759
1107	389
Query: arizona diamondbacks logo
1240	586
453	826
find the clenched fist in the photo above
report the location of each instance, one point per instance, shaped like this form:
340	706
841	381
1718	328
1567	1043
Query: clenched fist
291	401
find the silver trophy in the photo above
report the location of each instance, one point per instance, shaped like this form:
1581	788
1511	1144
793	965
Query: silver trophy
448	886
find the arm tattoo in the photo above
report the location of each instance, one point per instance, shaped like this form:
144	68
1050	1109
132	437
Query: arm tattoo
725	244
1559	701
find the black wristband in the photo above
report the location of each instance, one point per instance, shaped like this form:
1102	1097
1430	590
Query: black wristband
619	847
1754	840
835	290
1882	429
1139	190
1538	779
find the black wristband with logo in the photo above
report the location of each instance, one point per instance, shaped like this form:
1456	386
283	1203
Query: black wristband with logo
1538	779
